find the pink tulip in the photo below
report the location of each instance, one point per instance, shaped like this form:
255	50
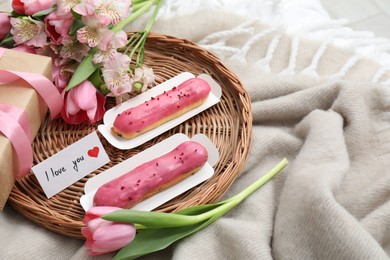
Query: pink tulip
57	26
105	236
83	103
30	7
5	25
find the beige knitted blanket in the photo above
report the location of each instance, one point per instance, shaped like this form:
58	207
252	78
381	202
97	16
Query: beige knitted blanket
312	103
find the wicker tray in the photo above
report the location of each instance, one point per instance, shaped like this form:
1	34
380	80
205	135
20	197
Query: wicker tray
228	125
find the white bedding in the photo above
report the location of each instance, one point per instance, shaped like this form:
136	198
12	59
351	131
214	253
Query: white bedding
324	108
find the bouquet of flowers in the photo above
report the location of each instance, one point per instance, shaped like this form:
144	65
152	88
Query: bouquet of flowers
92	56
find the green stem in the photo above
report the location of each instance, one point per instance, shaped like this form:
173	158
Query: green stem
133	16
138	45
238	198
134	2
260	182
132	41
141	41
153	17
137	6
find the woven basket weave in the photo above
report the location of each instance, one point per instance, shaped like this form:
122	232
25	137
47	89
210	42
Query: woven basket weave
228	125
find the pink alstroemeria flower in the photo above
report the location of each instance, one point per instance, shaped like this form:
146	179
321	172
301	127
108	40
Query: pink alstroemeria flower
94	30
143	76
84	7
72	49
83	103
28	31
5	25
115	74
113	10
104	236
57	26
108	46
30	7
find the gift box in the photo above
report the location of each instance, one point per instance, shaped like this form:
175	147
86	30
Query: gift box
20	94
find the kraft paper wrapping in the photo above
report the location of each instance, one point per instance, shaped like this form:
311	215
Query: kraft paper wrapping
19	94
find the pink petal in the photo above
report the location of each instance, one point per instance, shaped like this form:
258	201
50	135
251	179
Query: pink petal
33	6
100	110
120	39
113	237
107	37
98	223
86	233
88	244
84	95
71	105
102	210
5	25
38	40
86	7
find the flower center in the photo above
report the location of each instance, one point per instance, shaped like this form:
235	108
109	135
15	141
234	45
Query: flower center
116	81
112	14
27	30
67	51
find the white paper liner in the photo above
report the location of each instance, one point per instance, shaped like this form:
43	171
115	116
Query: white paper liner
155	151
123	143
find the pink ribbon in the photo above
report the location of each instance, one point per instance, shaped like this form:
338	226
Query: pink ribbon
20	138
19	116
45	88
14	123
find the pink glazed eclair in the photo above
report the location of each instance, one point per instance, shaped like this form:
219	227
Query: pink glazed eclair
162	108
152	177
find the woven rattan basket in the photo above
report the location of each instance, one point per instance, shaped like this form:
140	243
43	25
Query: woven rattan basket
228	125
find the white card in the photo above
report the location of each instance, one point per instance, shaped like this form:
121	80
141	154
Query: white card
71	164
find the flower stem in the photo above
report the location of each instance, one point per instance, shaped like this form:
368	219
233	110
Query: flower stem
133	16
238	198
154	15
140	42
140	4
260	182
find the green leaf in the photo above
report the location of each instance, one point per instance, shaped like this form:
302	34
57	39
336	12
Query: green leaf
15	14
96	79
8	41
83	71
153	240
44	12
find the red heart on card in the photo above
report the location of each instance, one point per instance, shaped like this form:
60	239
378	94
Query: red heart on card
94	152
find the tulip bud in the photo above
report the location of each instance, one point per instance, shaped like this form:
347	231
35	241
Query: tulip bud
104	236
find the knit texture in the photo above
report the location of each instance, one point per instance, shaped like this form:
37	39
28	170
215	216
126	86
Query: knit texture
324	108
